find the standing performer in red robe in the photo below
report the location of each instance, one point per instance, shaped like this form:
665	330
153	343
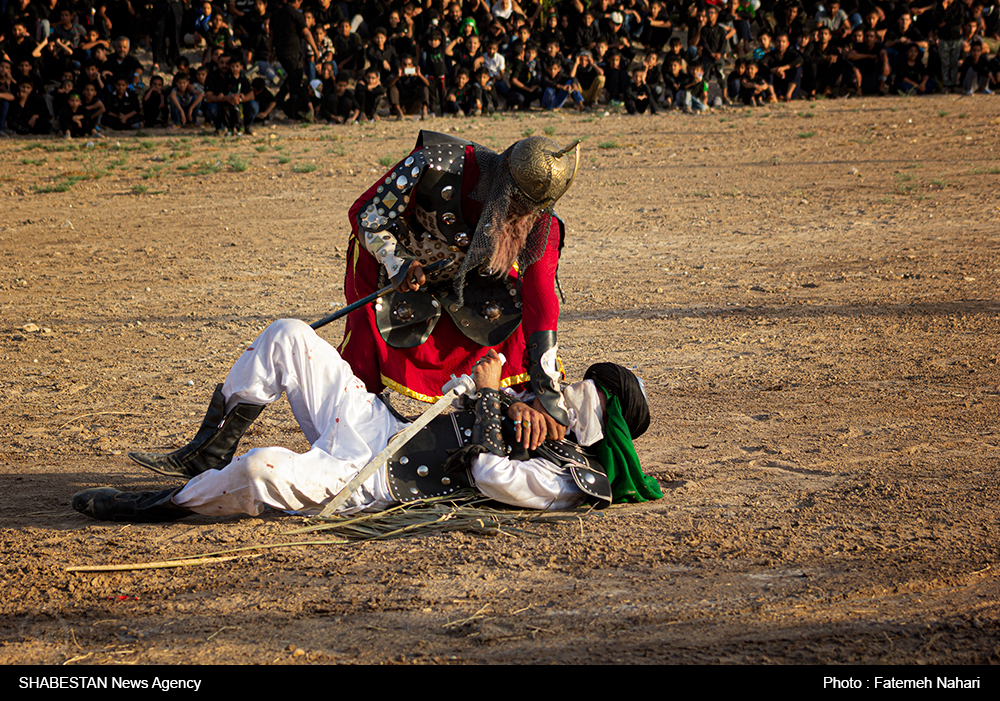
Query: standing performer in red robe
491	215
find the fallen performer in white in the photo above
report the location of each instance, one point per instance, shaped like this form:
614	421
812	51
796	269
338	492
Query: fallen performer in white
496	444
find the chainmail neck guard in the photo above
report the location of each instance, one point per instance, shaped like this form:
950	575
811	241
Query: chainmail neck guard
501	199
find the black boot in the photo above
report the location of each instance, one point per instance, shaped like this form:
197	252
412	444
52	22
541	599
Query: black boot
214	445
107	504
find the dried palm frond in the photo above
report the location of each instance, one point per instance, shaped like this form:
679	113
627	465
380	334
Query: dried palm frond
465	510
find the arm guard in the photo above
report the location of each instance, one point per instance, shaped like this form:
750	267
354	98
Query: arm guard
378	217
489	416
545	376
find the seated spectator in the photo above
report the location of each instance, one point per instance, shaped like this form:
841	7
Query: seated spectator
975	70
348	49
590	77
693	97
339	105
871	64
60	94
557	87
123	64
409	90
266	103
461	100
28	113
734	79
911	75
91	74
616	77
92	104
73	120
382	56
184	102
122	109
370	94
754	90
784	66
154	103
521	89
486	96
229	91
639	96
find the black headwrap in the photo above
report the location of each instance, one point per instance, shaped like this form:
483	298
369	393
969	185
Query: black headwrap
623	384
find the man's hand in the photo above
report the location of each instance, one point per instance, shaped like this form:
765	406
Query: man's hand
554	430
531	425
414	279
486	371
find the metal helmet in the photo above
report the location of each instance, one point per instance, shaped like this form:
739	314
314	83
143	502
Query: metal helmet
541	169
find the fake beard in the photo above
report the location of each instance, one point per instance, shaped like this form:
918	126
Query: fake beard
510	242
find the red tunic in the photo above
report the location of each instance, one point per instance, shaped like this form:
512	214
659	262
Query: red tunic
420	372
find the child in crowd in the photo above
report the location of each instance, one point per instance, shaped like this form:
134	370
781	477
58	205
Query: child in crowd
639	96
92	104
184	102
122	109
73	120
154	103
339	105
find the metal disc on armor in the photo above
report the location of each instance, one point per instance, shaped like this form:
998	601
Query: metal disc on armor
489	315
406	319
422	467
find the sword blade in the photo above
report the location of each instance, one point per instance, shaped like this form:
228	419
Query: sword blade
397	442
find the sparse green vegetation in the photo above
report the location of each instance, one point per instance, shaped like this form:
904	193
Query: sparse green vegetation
238	163
608	145
549	130
806	134
304	168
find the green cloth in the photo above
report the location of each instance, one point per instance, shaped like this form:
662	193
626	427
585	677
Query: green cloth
616	452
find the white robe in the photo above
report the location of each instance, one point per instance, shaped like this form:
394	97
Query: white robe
346	426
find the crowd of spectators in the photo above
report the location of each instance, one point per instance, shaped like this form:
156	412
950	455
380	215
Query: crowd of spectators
68	65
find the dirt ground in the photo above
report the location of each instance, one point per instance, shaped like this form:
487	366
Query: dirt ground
809	291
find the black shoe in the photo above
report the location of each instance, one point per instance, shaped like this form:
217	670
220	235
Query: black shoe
214	445
107	504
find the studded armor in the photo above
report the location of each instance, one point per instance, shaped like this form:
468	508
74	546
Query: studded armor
437	460
489	416
416	215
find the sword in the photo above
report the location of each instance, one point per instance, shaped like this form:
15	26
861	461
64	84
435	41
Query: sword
456	387
432	268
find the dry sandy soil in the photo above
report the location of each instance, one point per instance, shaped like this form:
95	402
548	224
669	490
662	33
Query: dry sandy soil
809	291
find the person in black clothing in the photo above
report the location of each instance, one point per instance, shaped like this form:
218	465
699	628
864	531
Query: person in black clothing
122	108
370	93
154	103
522	91
639	96
434	66
348	49
381	55
73	120
784	65
28	113
122	64
911	75
409	90
339	105
871	63
287	32
230	91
